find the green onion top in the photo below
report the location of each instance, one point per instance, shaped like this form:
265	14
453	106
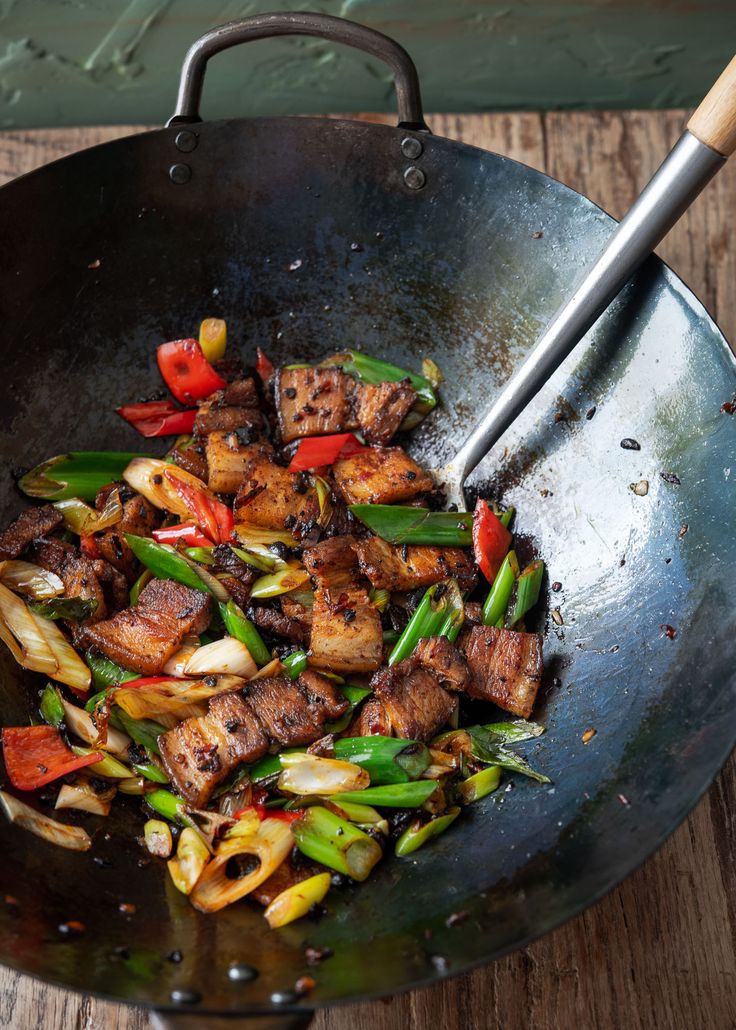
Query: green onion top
407	525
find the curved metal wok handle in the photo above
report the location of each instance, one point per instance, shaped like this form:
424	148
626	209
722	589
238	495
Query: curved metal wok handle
263	26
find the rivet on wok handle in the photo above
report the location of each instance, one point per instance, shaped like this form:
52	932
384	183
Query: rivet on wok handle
186	141
180	173
301	23
414	177
411	147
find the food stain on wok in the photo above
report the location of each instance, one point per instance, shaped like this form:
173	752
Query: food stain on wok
271	640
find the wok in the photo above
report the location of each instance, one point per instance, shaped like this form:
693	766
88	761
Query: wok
308	235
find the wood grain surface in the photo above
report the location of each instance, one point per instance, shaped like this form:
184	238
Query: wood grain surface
660	951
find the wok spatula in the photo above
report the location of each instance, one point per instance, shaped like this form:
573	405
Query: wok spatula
709	139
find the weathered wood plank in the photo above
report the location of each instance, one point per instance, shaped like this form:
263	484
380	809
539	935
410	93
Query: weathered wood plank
660	951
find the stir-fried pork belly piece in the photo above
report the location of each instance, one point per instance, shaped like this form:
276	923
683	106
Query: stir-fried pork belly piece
228	455
407	568
276	622
415	704
346	628
191	458
294	712
314	402
29	526
445	661
370	719
333	562
226	560
143	638
88	578
272	498
240	727
139	517
296	611
380	475
235	407
413	699
382	408
505	666
199	752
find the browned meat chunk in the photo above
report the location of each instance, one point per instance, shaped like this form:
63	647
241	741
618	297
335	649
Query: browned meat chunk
81	580
235	407
53	554
314	401
333	562
227	458
383	407
198	753
226	560
145	637
139	517
237	589
274	621
346	632
294	713
407	568
473	613
380	475
88	578
244	733
443	659
325	700
272	498
346	627
371	719
415	704
230	369
295	610
242	393
191	459
30	525
505	666
239	727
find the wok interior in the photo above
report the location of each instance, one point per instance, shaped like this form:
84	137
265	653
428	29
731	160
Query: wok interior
304	237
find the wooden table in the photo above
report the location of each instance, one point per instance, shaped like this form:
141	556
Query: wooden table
660	951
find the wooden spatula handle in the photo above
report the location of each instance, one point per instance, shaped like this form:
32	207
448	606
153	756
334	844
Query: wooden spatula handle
714	121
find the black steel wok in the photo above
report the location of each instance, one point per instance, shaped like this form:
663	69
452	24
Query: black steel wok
308	235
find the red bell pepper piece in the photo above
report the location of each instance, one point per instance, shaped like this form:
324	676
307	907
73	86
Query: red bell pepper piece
146	409
212	516
170	425
158	418
269	813
316	451
185	533
287	817
264	365
36	755
186	371
491	540
88	546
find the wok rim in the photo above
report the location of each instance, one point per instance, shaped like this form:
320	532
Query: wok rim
717	766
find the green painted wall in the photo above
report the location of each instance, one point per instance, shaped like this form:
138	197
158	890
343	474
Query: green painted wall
65	62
